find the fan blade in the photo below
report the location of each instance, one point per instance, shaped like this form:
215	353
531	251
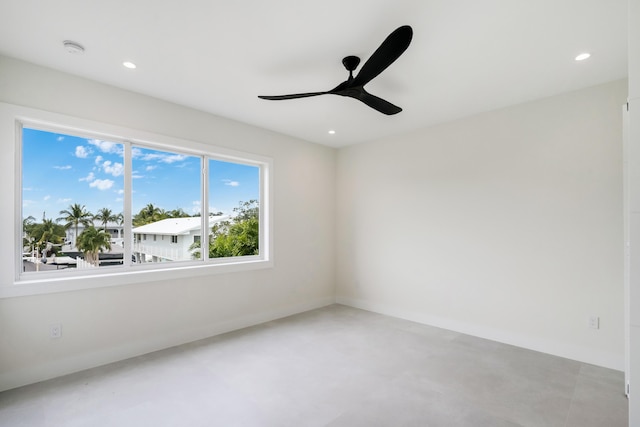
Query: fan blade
292	96
390	50
385	107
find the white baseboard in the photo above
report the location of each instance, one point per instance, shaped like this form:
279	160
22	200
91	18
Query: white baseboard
561	349
81	362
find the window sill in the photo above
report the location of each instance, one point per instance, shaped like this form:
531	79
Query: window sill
51	284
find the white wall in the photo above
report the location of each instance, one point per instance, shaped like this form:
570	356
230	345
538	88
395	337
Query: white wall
112	323
634	49
507	225
633	210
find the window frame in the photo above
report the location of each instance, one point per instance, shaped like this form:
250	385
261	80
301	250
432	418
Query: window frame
45	282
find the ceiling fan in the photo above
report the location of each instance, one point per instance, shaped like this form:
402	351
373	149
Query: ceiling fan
390	50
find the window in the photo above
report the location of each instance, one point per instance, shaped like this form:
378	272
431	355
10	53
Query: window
239	197
167	188
82	194
71	194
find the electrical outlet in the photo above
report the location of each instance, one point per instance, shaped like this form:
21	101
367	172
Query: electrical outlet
594	322
55	331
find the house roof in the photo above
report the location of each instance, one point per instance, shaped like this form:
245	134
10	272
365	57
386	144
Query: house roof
176	226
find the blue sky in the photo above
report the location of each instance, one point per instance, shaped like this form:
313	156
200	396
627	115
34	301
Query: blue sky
60	170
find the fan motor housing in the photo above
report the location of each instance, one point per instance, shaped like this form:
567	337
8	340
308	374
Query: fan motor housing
350	62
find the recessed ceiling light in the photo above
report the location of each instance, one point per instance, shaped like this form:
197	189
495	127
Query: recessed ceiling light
583	56
332	132
129	64
73	47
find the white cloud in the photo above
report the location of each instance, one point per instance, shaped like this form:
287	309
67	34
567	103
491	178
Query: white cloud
98	160
115	169
231	183
82	152
195	207
164	158
64	201
173	158
150	168
102	184
121	191
106	146
47	197
60	138
88	178
63	168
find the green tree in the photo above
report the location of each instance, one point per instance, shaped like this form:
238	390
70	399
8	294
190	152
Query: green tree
92	241
105	215
147	215
47	235
28	224
74	216
151	213
177	213
239	237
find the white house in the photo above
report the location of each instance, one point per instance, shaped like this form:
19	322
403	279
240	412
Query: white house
169	239
115	230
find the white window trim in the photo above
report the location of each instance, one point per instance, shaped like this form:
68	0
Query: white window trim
14	284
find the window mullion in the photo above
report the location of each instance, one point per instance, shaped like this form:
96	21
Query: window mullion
128	217
204	210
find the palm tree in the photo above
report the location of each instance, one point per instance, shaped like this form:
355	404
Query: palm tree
28	224
162	214
120	222
150	211
48	234
105	215
91	242
76	215
147	215
177	213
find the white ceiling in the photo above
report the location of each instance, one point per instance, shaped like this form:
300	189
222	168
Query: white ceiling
467	56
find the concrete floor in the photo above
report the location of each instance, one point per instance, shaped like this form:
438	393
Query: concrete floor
336	366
